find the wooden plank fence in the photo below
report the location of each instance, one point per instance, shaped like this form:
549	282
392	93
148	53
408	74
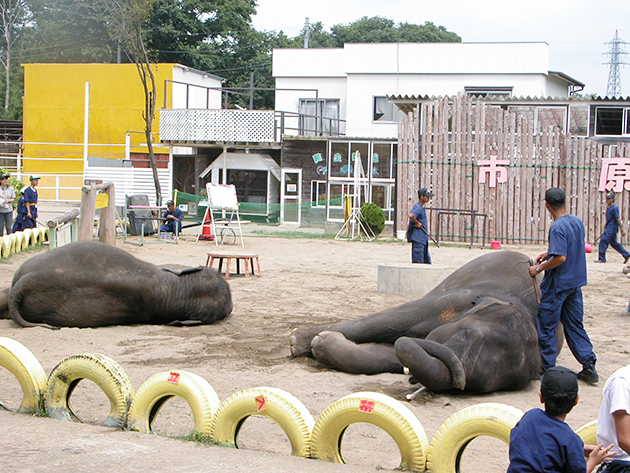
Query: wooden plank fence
441	144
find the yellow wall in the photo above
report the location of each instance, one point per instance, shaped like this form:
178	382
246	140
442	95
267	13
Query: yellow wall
54	110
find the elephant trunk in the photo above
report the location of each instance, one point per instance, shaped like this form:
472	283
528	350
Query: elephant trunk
432	364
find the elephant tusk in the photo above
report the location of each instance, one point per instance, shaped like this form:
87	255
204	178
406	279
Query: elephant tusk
413	395
406	370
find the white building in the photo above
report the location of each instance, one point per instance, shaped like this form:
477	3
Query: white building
353	83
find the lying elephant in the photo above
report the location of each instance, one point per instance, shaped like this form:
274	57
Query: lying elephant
475	331
90	284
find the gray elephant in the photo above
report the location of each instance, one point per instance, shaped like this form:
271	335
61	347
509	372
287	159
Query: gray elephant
476	331
90	284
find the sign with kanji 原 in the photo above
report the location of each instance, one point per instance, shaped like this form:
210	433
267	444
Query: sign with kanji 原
615	175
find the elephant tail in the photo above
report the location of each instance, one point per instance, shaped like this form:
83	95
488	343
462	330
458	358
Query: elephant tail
4	303
15	301
432	364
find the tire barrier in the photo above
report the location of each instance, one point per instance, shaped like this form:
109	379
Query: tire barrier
278	405
20	241
159	388
19	360
100	369
374	408
452	438
222	421
588	433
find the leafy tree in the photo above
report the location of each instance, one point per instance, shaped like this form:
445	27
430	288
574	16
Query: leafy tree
14	15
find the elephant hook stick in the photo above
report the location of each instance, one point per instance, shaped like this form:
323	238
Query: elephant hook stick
536	286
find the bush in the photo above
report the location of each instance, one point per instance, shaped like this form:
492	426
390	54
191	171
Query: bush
16	184
373	217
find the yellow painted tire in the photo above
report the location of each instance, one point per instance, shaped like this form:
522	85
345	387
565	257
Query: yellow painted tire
588	433
5	246
283	408
41	234
100	369
373	408
28	238
13	241
19	361
452	438
20	241
159	388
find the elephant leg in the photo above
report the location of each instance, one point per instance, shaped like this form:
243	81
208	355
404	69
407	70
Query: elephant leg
4	304
301	339
432	364
332	348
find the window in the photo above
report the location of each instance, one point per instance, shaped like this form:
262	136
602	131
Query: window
385	111
488	91
319	117
251	186
611	121
551	116
318	194
578	121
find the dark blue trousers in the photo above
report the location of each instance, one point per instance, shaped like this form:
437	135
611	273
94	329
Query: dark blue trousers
610	239
566	307
420	252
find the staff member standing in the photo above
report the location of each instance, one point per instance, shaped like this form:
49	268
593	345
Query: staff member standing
417	232
609	237
7	196
27	207
561	289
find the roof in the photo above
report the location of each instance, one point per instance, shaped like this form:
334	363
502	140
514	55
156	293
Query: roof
567	78
407	103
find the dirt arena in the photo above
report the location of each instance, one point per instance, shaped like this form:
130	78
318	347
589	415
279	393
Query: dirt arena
304	282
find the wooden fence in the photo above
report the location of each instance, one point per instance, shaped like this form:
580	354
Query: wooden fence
460	141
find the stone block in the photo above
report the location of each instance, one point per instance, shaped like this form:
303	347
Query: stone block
411	278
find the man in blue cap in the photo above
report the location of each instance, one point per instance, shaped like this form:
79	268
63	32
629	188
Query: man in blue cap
417	232
609	237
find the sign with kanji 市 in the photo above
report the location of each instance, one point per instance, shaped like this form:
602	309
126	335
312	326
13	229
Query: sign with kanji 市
615	175
495	168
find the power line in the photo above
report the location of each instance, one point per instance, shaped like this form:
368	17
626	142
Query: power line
614	77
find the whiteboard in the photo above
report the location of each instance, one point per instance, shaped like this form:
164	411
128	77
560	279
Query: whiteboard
222	197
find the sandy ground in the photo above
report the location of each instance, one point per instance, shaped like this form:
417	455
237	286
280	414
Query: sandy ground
304	282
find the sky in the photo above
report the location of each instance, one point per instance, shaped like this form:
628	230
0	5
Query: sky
577	31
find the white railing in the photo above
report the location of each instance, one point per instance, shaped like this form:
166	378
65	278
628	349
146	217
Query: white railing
193	125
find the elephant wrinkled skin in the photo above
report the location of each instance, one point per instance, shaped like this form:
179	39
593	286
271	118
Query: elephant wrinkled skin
90	284
476	331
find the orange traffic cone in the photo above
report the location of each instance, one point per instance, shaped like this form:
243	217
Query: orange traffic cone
206	228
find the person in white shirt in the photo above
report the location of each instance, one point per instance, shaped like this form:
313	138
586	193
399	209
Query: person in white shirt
613	423
7	196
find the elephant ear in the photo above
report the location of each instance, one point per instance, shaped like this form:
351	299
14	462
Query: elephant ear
182	272
432	364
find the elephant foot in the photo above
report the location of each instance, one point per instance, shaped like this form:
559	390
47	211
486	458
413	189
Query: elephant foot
301	340
333	349
432	364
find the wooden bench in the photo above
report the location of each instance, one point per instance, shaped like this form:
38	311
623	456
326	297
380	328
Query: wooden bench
247	258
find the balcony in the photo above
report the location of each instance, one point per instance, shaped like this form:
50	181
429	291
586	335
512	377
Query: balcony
241	126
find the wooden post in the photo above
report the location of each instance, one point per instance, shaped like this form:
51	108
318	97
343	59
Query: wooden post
107	228
86	219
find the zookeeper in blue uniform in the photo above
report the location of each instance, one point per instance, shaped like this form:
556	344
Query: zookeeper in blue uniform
561	290
27	207
172	219
417	232
609	237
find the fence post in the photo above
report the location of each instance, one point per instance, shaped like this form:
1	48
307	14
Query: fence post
86	220
107	228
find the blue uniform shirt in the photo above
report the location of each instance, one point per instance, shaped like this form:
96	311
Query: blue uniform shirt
541	442
566	238
30	196
612	214
414	233
177	213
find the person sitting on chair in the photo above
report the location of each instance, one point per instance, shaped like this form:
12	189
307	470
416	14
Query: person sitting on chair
172	221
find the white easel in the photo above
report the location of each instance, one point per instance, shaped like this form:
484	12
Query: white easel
353	226
222	197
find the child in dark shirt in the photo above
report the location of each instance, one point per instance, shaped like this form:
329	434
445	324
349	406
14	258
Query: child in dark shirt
542	442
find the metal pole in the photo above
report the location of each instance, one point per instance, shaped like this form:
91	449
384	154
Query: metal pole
251	91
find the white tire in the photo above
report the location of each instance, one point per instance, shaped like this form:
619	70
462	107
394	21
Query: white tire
19	361
155	391
374	408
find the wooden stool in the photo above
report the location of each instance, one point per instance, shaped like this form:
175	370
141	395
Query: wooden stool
247	258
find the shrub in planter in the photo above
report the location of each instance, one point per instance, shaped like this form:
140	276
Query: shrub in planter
373	217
